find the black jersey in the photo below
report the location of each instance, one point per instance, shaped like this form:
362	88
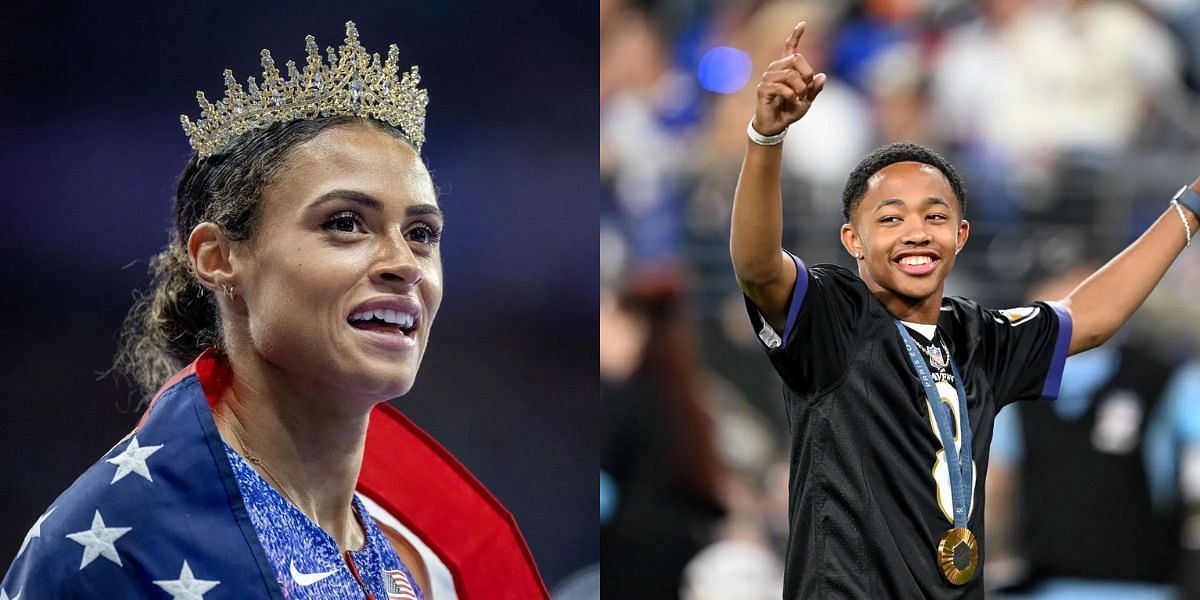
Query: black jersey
868	493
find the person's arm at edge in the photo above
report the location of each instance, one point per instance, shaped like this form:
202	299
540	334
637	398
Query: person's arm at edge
764	271
1104	301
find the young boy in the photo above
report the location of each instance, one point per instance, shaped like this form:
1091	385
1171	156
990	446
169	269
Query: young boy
891	389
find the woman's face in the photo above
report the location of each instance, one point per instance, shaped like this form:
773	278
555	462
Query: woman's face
343	276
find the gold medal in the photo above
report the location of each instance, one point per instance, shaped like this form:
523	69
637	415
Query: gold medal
958	555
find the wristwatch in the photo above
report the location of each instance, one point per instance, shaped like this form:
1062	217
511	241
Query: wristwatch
1189	198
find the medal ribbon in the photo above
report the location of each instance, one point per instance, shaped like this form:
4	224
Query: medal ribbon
960	465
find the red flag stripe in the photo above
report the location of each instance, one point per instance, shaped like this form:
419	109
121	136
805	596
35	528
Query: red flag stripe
465	526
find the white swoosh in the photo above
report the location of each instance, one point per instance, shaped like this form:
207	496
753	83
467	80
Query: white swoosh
307	579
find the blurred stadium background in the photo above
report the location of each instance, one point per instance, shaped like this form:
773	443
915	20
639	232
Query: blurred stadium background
90	146
1073	123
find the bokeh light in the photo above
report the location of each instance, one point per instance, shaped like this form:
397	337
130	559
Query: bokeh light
724	70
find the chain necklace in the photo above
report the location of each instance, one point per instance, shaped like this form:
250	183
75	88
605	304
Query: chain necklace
256	461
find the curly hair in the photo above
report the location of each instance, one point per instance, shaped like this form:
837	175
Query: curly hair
856	183
171	324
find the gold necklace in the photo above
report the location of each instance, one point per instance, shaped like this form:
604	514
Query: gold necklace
256	460
259	463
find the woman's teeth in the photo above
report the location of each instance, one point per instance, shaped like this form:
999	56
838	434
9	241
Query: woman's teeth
403	319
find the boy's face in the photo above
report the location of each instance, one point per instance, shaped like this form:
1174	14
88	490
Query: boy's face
907	229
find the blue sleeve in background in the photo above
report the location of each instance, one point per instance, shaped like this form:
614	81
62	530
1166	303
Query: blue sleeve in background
1174	427
1183	402
1007	442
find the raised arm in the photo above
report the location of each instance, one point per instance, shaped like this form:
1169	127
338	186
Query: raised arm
1104	301
763	270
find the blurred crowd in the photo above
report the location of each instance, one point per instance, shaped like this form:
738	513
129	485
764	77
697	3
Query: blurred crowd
1073	122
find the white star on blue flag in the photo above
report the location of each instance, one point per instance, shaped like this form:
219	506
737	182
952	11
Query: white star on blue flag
133	460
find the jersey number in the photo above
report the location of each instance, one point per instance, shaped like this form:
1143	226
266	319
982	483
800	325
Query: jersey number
941	472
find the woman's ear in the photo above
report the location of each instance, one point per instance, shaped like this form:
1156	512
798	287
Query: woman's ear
209	251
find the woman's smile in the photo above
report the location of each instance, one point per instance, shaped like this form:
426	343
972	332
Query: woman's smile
391	321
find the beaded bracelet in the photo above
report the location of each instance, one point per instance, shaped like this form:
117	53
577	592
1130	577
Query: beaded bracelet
1189	198
1187	229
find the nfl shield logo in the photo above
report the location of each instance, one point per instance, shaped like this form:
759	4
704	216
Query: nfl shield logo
936	358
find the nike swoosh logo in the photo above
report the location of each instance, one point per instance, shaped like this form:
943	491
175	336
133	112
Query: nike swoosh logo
307	579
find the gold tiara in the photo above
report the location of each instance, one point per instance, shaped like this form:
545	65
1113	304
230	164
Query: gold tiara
353	83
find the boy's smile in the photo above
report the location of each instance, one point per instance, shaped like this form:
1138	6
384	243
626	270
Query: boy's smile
905	232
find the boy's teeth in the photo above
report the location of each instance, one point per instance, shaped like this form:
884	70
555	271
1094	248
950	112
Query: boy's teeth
915	260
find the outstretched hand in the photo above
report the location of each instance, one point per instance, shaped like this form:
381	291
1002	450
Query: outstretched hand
787	89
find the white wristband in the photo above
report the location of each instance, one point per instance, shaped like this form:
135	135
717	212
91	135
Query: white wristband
764	140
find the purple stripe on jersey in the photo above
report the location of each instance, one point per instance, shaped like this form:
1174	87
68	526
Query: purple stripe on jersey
1061	346
798	292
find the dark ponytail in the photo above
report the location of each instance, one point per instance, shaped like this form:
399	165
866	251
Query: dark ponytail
170	325
178	318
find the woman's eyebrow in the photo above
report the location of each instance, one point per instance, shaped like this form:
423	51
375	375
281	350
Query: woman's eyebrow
423	209
370	201
366	200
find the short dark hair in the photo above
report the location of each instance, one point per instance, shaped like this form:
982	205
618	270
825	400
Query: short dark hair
856	183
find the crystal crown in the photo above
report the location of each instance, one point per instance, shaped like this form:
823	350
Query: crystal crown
353	83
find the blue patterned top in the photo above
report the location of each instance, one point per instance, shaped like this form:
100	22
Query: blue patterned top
306	559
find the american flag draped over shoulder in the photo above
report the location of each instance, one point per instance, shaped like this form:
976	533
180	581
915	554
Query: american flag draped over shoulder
160	515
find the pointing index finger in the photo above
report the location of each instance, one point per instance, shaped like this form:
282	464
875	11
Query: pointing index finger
793	39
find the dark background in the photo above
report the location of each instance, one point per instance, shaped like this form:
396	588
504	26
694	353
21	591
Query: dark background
90	146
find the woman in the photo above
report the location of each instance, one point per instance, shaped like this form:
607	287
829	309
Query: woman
305	273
